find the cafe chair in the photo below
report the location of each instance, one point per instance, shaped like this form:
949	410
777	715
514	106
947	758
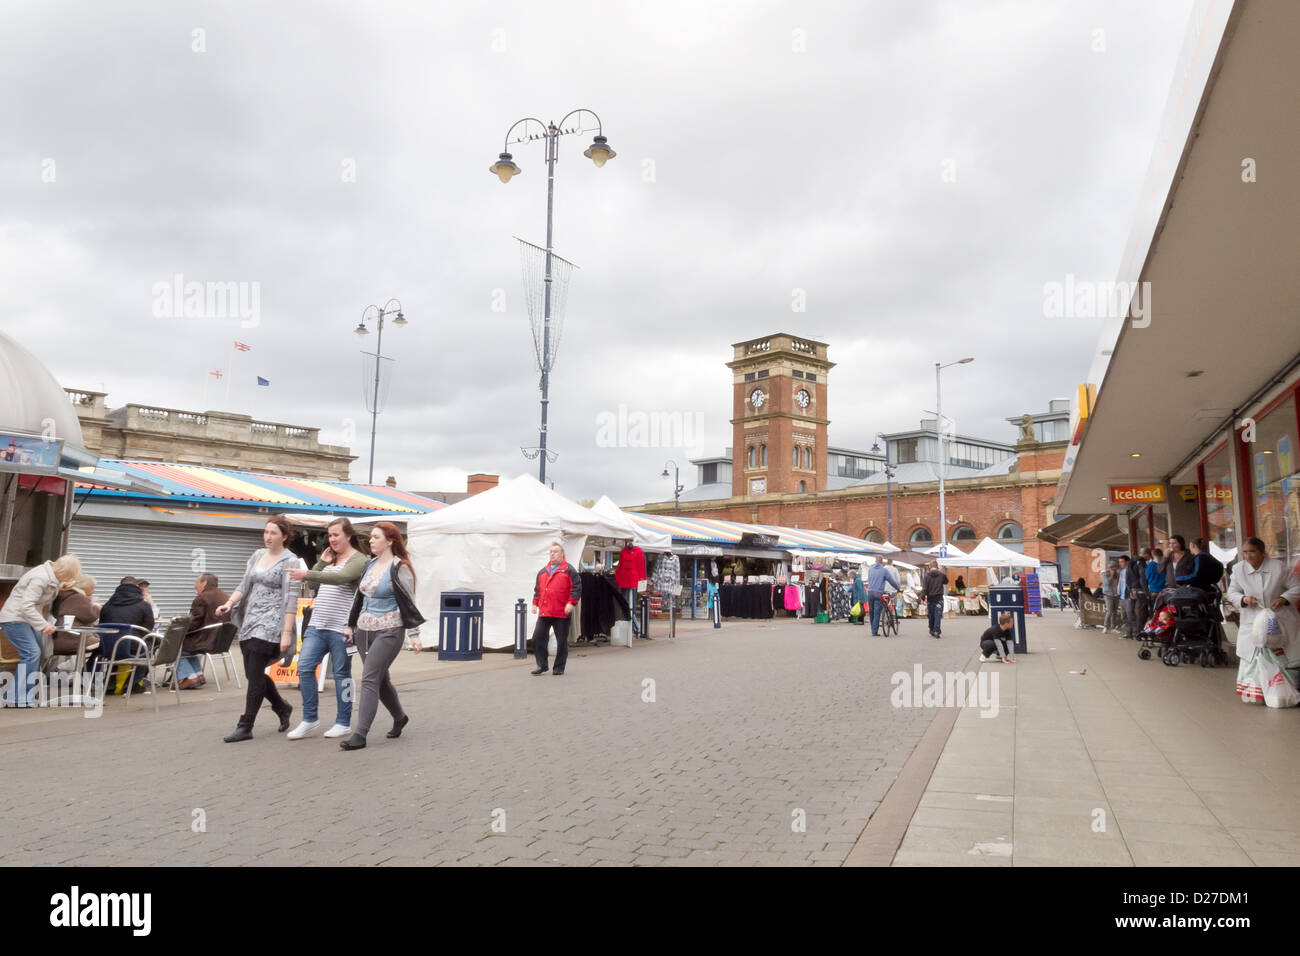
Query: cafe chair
132	651
225	636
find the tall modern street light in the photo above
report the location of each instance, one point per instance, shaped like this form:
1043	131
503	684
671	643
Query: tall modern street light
943	452
677	483
399	320
889	477
504	168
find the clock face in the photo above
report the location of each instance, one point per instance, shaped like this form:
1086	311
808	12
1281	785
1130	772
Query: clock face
757	398
803	398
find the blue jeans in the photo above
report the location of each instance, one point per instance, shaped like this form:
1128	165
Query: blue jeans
934	608
28	644
191	665
316	643
876	602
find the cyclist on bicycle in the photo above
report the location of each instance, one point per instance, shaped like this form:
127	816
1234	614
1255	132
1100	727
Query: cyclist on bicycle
880	578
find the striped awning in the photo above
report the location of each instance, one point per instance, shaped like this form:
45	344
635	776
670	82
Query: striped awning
713	530
207	485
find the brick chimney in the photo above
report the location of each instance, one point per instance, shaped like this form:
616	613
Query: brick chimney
477	483
391	482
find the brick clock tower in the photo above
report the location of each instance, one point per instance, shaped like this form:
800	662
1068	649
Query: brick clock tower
779	415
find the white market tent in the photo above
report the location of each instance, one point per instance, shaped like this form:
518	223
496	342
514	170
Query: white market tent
496	542
647	539
989	554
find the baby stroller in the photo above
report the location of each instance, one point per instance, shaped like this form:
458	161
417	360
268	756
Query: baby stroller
1187	626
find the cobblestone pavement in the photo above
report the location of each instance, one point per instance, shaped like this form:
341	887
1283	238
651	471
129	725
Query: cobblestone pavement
752	729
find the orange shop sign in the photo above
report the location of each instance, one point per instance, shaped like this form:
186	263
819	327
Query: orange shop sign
1136	494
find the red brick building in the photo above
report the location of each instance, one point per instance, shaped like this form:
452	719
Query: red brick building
780	474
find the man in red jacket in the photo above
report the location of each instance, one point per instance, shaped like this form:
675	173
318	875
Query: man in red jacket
555	595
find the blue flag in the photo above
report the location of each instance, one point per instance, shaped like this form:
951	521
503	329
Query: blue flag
262	381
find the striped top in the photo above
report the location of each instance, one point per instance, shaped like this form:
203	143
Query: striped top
336	586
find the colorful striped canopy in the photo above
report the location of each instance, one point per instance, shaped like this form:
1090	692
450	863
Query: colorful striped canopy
202	484
728	532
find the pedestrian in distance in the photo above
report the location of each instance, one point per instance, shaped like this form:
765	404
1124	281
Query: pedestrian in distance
336	577
556	592
1110	594
934	586
267	601
999	641
383	612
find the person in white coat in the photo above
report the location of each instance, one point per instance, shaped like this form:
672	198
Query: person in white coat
1262	583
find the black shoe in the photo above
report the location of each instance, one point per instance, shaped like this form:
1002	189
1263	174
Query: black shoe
558	672
540	670
284	717
398	725
355	742
242	732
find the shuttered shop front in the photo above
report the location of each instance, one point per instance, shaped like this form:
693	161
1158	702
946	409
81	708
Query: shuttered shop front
168	556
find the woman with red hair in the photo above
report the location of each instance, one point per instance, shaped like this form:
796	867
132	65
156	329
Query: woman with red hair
382	613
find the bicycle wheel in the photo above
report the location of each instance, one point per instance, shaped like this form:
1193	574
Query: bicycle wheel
891	622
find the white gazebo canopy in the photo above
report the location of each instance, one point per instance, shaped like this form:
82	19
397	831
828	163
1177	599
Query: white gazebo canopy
643	538
989	554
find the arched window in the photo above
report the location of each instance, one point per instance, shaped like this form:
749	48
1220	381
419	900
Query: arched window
764	454
963	532
801	486
920	538
751	456
807	457
796	457
1010	536
875	536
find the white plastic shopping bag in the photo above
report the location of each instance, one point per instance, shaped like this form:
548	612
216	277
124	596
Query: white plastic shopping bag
1278	689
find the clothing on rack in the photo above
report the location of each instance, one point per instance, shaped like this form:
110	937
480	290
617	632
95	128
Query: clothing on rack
841	601
667	577
746	600
631	567
793	597
602	604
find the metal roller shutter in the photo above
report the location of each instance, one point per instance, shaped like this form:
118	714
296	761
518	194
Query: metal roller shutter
169	557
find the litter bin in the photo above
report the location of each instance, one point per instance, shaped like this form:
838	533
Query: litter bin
460	626
1010	600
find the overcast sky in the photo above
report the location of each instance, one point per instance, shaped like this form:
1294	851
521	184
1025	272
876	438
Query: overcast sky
917	169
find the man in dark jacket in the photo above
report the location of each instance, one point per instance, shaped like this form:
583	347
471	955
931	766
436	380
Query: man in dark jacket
126	606
934	586
555	594
203	613
1207	570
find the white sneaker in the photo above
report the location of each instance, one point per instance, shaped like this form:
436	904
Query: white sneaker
984	658
338	730
303	729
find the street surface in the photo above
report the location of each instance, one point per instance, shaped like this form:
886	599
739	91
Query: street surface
753	730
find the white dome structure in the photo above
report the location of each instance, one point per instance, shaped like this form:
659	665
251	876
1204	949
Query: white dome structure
31	400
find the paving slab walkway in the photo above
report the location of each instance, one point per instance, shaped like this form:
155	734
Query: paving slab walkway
1097	758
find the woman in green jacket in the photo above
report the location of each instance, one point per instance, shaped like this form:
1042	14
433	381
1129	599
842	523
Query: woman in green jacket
335	577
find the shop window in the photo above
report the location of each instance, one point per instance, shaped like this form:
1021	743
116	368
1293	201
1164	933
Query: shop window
1275	481
920	538
963	532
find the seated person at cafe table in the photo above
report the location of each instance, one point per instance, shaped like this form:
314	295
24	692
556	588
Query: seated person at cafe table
203	613
75	602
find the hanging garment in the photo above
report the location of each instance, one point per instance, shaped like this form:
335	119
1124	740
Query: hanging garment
793	601
841	602
631	567
602	604
667	577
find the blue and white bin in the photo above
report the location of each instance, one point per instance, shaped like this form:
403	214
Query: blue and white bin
460	626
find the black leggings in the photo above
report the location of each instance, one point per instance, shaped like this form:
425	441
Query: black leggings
258	656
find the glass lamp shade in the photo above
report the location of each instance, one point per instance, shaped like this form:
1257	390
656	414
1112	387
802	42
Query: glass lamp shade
361	329
599	152
400	320
504	168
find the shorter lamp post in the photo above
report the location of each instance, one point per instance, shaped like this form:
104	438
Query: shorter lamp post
889	477
388	308
677	484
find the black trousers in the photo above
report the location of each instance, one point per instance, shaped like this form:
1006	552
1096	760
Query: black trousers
541	637
258	656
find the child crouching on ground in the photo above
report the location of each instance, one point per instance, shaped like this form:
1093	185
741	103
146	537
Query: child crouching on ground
999	641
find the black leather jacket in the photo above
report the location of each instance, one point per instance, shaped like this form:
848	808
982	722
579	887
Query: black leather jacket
411	617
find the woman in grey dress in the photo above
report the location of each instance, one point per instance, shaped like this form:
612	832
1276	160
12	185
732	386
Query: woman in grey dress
268	597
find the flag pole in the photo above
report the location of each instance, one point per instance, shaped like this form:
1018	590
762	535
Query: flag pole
230	370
